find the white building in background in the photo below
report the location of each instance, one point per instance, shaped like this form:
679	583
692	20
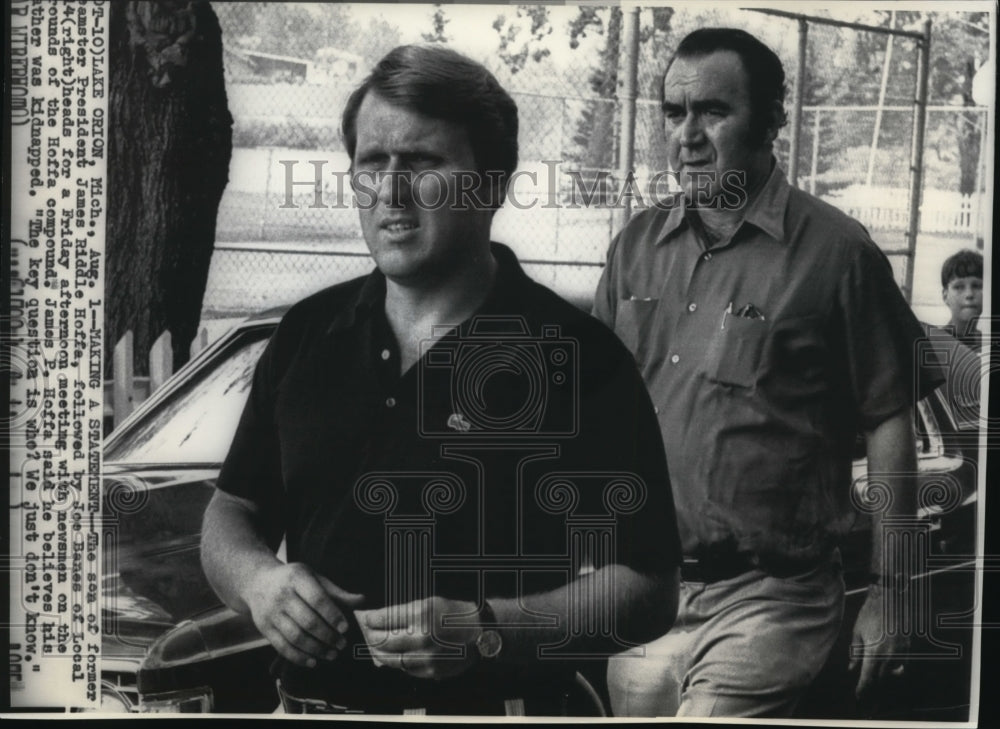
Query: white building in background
332	65
329	66
244	64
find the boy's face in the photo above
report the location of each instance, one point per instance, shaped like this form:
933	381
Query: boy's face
964	298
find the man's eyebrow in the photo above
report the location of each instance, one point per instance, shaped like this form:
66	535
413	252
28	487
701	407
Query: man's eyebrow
698	105
420	151
411	150
703	104
370	153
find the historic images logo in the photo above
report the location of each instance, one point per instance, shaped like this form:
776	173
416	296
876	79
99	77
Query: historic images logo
470	189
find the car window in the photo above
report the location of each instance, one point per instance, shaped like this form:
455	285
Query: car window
197	422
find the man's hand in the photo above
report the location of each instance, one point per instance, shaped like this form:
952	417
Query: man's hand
300	612
892	465
883	655
412	637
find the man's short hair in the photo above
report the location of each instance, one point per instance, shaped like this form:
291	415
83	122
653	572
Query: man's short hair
763	68
439	83
961	265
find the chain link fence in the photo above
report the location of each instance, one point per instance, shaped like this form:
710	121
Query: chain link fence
290	69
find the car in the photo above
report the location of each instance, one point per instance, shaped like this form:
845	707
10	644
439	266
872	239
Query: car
170	645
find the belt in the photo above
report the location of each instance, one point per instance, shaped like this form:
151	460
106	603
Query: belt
718	568
550	706
297	705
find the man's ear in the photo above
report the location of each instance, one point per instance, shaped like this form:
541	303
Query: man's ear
496	189
776	118
944	294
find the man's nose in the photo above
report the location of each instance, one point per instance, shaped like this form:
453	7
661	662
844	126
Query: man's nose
394	184
690	131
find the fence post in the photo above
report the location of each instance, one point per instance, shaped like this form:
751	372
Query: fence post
886	63
199	342
917	154
123	378
800	92
627	150
267	195
979	192
815	152
161	361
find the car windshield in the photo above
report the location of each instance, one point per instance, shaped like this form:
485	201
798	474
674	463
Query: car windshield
197	422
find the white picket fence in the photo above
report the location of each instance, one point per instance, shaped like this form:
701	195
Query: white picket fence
887	208
126	390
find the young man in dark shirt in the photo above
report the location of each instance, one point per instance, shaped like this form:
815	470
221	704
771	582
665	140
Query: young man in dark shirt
467	471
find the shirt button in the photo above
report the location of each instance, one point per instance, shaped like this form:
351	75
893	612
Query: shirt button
707	256
692	306
675	359
386	354
656	409
390	402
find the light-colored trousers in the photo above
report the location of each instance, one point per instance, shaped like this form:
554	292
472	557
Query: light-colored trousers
743	647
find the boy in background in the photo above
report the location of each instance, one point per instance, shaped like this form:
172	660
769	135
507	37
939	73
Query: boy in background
962	291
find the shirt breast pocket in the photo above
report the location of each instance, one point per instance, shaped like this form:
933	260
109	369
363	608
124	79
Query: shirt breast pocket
734	352
633	320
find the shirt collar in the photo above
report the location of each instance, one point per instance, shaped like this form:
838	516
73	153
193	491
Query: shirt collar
370	294
508	284
766	211
504	295
675	216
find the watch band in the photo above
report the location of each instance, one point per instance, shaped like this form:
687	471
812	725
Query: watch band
488	642
895	582
487	618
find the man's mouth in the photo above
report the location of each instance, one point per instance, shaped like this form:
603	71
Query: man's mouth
399	226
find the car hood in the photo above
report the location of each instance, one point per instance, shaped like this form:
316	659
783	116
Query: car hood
152	572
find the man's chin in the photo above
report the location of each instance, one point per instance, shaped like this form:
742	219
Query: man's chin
707	199
399	272
697	193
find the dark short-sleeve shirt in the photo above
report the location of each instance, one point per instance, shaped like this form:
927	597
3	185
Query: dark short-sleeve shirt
765	356
521	447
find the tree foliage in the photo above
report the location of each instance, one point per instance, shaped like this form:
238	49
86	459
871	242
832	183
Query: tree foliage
438	24
516	54
959	43
844	70
595	133
301	29
293	29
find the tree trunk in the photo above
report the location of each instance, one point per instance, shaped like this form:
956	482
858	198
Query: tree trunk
655	56
170	141
601	144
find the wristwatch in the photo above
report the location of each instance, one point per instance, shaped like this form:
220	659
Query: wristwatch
897	582
488	642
